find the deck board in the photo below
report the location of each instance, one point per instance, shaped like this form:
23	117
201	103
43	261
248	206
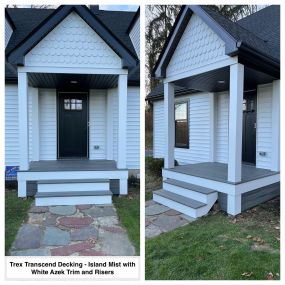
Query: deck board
219	171
73	165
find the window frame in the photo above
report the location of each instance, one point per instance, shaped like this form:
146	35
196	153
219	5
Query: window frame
187	146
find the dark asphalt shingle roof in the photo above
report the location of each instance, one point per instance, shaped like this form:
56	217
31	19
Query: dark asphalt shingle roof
245	30
26	20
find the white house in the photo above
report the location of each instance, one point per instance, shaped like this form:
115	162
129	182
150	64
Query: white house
220	107
72	102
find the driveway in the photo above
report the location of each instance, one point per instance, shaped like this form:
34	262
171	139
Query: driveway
83	230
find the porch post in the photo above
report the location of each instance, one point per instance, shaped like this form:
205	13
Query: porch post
122	124
169	125
23	120
109	119
235	122
35	124
275	166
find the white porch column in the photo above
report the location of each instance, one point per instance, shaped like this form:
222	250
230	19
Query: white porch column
109	120
169	125
234	204
122	124
23	120
35	123
275	165
235	122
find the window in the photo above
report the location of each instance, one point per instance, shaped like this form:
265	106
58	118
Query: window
72	104
181	125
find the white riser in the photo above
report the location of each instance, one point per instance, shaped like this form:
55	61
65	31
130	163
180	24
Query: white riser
76	186
176	206
204	198
75	200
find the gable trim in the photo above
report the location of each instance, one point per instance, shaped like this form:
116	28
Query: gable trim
231	45
17	55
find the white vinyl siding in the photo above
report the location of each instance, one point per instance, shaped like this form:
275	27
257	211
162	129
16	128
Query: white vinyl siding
135	36
11	126
158	129
222	127
8	32
48	125
199	130
133	128
97	124
264	126
73	43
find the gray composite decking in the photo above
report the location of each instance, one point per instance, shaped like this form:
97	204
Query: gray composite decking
219	171
180	199
72	194
73	165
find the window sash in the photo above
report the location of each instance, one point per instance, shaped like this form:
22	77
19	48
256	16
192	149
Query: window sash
181	126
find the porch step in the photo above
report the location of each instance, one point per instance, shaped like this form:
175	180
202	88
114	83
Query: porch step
73	185
73	198
182	204
192	191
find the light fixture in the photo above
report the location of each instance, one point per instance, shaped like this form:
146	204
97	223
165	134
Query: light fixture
221	81
73	81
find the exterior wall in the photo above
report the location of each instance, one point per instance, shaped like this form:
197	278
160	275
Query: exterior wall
8	32
135	36
97	124
47	125
264	126
198	46
199	130
221	127
11	126
133	128
73	43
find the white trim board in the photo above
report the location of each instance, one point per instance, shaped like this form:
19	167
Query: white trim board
232	189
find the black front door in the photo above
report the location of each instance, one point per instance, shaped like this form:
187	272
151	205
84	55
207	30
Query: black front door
72	125
249	127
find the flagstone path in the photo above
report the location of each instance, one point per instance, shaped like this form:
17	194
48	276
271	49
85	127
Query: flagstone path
83	230
161	219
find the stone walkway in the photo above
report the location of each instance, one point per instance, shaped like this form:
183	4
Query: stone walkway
84	230
161	219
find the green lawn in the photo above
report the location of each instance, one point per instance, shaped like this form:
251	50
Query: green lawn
16	212
128	208
219	247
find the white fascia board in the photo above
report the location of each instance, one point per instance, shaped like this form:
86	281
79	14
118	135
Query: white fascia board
199	70
72	70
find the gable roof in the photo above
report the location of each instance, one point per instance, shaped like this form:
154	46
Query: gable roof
239	39
20	46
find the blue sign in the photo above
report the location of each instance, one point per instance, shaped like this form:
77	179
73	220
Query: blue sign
11	172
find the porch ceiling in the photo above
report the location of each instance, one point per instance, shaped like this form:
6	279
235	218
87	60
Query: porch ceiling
64	81
218	80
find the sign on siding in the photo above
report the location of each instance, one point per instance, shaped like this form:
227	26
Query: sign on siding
11	172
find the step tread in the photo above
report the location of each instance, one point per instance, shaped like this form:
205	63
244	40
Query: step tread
72	194
180	199
189	186
64	181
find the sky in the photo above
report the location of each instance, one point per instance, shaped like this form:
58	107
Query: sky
119	7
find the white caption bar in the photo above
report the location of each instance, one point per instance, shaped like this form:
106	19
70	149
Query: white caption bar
72	267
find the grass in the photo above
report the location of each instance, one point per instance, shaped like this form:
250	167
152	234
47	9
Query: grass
217	247
128	209
16	212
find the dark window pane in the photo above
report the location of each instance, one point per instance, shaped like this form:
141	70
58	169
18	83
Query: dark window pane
181	125
66	104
